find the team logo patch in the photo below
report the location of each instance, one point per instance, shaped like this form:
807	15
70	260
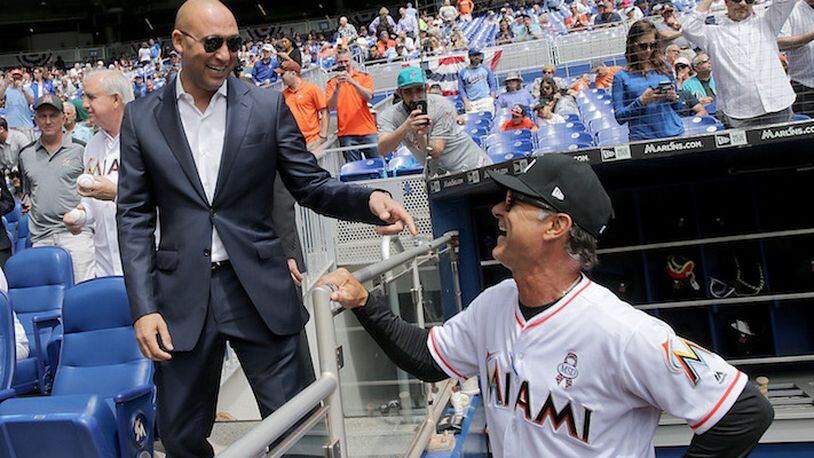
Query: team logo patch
139	429
567	371
684	356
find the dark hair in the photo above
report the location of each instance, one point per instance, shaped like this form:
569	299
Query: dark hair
637	30
3	123
545	99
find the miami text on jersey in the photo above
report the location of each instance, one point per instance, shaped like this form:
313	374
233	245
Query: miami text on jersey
499	393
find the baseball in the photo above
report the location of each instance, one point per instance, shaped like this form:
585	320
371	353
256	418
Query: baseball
76	216
85	180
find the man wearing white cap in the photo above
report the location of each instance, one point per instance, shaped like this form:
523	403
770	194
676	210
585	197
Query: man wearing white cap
515	93
263	71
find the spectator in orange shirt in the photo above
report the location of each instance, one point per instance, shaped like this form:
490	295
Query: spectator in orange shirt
582	83
385	43
577	20
465	7
307	103
604	74
348	93
519	120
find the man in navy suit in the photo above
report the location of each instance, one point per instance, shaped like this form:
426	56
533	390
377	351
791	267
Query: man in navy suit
200	158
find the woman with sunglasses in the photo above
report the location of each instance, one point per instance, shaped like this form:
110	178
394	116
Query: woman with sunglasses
644	92
561	102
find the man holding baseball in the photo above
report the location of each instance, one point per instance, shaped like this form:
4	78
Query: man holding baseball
566	367
106	94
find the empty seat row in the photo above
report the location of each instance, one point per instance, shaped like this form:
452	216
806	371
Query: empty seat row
102	402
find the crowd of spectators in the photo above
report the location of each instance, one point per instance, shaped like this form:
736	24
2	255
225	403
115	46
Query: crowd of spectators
676	65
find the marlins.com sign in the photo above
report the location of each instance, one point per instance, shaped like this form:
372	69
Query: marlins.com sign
672	146
786	132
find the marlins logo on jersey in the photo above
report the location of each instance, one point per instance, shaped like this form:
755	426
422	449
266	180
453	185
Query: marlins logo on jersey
688	357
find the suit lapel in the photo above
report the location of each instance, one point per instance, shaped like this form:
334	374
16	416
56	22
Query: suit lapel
169	122
238	114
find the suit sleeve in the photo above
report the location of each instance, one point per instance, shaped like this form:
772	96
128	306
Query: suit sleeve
285	223
136	221
679	376
311	185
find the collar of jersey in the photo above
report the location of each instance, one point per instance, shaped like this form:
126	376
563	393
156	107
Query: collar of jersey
557	307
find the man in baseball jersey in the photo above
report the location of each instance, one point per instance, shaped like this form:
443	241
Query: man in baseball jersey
566	367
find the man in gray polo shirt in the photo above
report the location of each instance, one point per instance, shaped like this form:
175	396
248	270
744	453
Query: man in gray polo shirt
49	168
435	135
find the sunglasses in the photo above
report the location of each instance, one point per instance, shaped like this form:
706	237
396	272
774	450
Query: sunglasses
513	197
748	2
681	66
650	45
212	43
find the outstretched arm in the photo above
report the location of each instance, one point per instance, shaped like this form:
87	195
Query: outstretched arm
404	343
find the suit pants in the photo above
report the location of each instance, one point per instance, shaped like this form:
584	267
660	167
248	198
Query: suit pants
277	367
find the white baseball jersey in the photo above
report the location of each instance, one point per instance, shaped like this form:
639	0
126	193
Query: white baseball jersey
589	376
102	159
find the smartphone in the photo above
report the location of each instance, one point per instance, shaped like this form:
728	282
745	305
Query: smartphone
421	105
664	87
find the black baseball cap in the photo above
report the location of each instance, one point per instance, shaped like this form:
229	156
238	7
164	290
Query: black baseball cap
567	185
49	100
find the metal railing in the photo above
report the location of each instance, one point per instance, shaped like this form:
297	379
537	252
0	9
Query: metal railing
324	394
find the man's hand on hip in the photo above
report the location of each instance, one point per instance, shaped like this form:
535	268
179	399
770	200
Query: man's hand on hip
148	329
347	291
391	212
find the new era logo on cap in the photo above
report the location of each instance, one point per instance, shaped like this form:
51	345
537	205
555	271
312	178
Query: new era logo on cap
557	192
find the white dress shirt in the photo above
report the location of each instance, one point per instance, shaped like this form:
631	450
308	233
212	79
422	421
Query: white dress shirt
745	60
801	60
205	133
102	160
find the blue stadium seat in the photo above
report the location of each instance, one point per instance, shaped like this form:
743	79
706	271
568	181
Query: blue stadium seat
38	279
477	131
479	122
404	165
711	108
560	129
545	149
497	158
16	218
103	403
800	117
612	136
601	123
580	139
509	135
698	125
520	146
8	347
365	169
572	118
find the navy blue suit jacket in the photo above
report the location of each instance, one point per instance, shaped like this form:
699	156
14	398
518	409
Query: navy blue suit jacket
158	174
